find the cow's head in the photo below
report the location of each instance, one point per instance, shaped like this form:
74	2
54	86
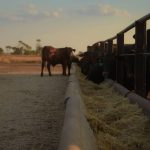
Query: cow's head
73	50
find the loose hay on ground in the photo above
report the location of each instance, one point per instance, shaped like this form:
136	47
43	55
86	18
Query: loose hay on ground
116	123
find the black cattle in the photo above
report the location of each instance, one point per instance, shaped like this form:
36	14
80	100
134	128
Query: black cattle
54	56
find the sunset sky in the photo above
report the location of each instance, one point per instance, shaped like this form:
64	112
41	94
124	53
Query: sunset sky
74	23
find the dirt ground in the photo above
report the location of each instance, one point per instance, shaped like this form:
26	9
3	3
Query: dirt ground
31	107
26	68
6	58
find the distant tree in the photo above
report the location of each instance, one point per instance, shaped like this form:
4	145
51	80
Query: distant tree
8	49
1	51
38	46
24	45
17	50
24	48
21	48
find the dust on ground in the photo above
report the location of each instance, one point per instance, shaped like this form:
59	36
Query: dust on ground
31	108
27	68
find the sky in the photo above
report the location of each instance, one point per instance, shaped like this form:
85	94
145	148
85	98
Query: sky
73	23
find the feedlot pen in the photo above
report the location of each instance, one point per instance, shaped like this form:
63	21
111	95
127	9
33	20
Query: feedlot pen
31	111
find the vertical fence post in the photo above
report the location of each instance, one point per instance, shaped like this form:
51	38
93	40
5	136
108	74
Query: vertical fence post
148	61
105	60
110	46
140	58
119	69
106	47
111	61
102	48
148	40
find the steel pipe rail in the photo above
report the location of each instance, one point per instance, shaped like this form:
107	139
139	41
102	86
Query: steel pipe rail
133	97
76	133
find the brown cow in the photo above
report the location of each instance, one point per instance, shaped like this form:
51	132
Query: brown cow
55	56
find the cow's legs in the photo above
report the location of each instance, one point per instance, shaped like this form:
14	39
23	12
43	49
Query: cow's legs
64	69
69	67
48	68
42	67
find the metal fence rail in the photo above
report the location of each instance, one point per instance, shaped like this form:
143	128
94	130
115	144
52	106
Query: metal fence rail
132	62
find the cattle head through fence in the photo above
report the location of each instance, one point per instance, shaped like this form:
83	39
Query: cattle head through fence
91	64
129	64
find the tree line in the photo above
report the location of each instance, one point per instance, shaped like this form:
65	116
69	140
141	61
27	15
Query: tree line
23	49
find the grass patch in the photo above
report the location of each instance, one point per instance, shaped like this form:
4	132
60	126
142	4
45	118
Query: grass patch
117	124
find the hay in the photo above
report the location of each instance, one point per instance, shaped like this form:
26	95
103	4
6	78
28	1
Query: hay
117	124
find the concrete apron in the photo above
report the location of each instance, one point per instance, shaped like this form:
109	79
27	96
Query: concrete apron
76	132
134	98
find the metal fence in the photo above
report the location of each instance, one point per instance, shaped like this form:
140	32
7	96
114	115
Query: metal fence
129	64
